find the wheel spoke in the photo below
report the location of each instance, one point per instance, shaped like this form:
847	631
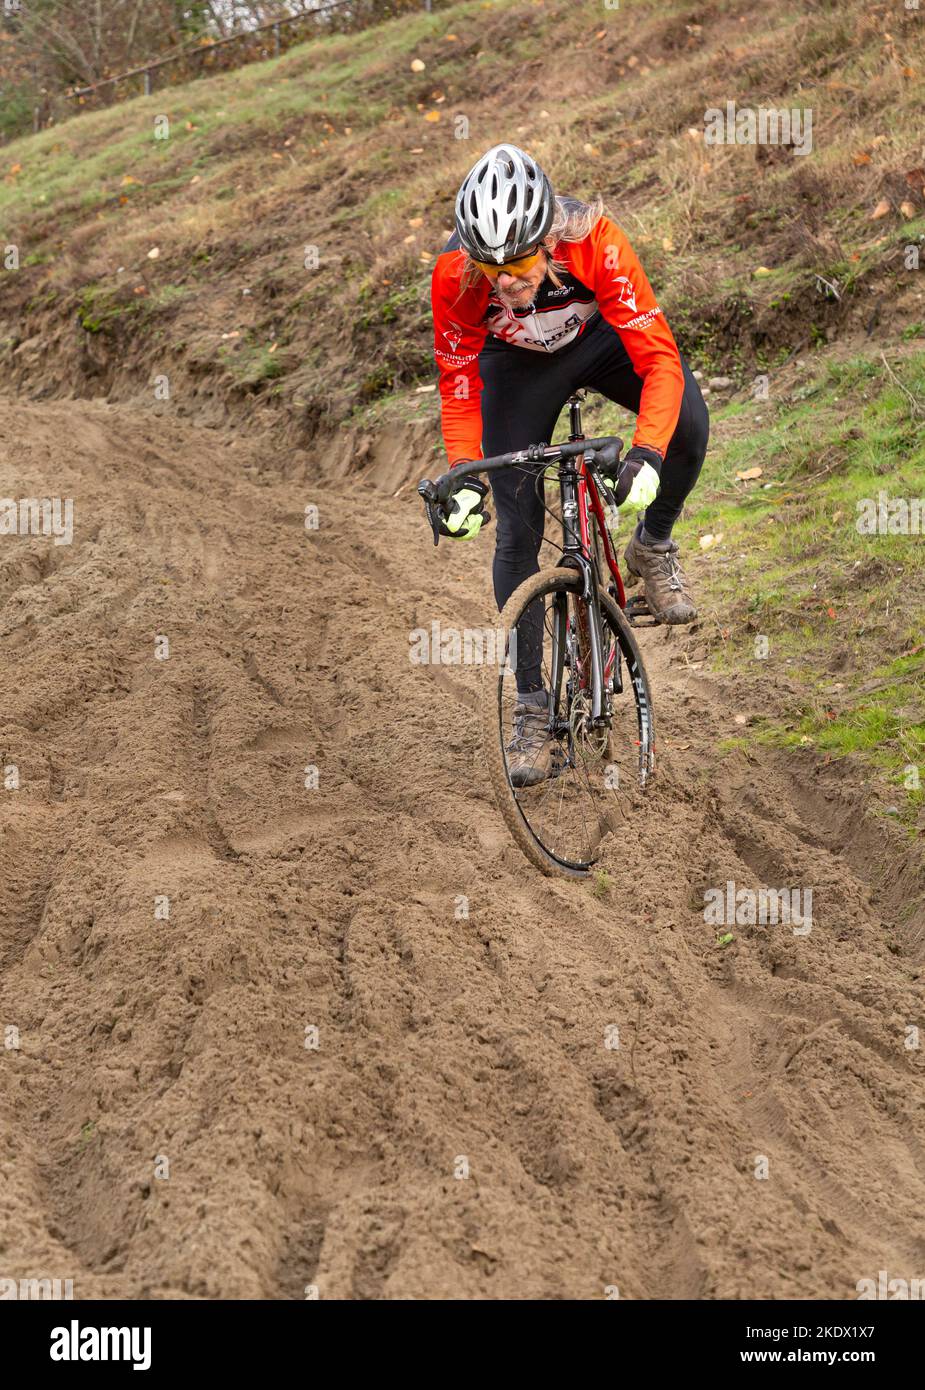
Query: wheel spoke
568	813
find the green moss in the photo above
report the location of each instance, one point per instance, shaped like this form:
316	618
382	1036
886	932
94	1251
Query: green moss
251	364
98	308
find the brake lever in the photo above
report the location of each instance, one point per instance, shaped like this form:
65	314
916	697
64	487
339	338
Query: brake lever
604	491
428	493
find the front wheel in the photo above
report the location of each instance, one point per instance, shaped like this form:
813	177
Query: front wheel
594	773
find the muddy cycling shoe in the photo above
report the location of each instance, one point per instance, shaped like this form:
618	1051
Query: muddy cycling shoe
656	564
532	755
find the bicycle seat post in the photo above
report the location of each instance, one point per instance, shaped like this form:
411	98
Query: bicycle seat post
574	417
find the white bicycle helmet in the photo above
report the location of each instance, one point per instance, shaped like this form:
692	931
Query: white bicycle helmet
505	205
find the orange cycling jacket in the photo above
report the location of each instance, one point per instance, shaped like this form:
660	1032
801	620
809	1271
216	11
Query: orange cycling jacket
602	276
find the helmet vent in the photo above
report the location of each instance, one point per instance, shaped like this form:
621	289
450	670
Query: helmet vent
505	205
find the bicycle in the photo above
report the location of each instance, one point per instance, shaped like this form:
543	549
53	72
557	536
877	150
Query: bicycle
602	724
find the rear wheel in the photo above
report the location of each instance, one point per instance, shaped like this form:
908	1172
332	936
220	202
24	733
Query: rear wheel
561	821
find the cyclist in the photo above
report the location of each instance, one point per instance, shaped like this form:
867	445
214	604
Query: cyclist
533	297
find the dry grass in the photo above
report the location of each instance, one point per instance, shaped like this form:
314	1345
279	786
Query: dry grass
316	148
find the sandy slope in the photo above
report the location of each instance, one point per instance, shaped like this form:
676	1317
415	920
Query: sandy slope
440	1036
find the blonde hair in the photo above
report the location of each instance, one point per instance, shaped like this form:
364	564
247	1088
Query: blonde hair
571	221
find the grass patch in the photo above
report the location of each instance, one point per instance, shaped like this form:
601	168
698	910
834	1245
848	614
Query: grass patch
819	575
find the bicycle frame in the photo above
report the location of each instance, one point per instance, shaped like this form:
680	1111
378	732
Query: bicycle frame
580	501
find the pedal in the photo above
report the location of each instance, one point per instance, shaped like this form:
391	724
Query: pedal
638	613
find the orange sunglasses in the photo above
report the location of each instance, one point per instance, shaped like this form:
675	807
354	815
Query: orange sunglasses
517	267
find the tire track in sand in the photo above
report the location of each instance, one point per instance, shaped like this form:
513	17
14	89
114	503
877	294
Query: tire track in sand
362	991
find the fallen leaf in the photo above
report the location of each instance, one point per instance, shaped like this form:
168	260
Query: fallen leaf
830	612
861	158
740	718
747	474
417	65
908	72
418	150
154	253
667	243
415	221
710	539
915	177
761	271
907	210
432	116
409	239
15	168
880	210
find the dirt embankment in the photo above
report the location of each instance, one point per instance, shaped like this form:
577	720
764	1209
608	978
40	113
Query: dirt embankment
461	1002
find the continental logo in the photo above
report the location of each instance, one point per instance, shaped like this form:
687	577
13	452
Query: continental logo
455	359
642	320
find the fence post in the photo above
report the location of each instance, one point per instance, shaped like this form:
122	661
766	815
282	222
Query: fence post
276	39
428	6
147	82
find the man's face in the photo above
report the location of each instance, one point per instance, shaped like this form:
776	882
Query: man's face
517	291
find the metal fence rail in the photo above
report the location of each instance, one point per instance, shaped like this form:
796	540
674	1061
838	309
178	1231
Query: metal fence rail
352	14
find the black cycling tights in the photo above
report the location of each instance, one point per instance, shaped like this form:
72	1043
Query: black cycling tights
523	395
